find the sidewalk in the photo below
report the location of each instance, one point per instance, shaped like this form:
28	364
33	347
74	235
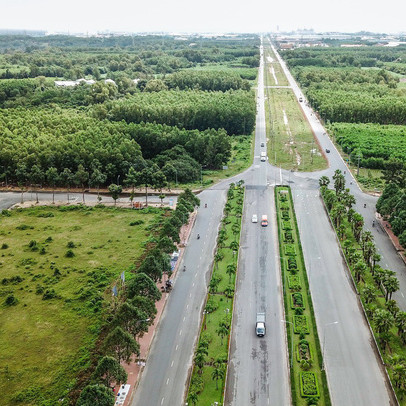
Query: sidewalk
395	241
135	368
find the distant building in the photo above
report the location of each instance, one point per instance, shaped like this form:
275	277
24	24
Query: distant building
72	83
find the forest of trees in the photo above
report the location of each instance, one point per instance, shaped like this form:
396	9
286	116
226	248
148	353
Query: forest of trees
355	92
233	110
32	141
173	117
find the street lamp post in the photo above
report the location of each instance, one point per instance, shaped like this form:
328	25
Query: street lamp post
118	180
291	340
324	341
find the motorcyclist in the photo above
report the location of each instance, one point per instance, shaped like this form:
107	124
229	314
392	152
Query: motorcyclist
184	268
205	205
198	236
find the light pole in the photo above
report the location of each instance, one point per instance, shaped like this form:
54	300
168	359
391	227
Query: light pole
176	176
201	174
324	341
118	180
291	340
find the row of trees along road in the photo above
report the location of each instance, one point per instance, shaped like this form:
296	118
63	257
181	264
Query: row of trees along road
132	310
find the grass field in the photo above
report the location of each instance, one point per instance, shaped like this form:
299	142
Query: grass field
47	335
291	143
274	66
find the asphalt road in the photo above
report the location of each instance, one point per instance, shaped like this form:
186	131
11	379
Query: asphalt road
8	199
258	369
163	382
354	372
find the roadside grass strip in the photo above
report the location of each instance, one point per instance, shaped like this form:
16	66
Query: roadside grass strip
375	287
210	360
308	381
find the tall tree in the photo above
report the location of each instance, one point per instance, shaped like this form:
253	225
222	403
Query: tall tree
52	179
96	395
80	179
110	371
97	178
36	177
115	191
120	344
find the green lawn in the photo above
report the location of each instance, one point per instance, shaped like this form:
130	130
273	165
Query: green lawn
46	342
280	75
291	143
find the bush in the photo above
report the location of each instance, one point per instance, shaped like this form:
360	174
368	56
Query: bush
70	244
136	223
11	300
49	239
49	294
308	384
4	246
24	227
69	254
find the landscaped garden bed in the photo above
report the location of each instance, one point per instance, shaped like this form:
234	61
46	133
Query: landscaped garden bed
308	381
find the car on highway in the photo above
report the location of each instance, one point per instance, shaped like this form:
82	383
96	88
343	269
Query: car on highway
254	218
327	150
300	99
264	220
262	144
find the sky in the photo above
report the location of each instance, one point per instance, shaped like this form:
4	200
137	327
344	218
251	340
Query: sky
91	16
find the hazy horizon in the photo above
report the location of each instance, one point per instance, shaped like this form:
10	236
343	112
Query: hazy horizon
196	17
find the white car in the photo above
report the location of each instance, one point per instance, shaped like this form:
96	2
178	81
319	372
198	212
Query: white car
254	218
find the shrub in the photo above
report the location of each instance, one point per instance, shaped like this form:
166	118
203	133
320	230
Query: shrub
46	215
300	324
42	251
24	227
33	245
69	254
136	223
6	213
4	246
49	239
308	384
70	244
11	300
49	294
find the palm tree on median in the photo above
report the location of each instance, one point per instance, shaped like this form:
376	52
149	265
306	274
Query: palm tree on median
218	373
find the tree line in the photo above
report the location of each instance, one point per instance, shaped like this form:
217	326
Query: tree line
51	146
133	310
232	110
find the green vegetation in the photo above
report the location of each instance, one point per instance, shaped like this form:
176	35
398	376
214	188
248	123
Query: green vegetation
48	336
233	110
211	356
392	203
273	67
374	144
291	143
308	381
375	285
180	115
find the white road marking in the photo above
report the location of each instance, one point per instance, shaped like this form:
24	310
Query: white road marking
167	381
195	274
176	348
162	401
180	332
190	295
402	294
172	364
193	284
184	318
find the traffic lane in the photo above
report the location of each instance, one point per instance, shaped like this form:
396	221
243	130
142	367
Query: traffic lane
163	381
258	372
354	372
8	199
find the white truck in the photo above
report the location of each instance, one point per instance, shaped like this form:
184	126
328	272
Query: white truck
260	325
